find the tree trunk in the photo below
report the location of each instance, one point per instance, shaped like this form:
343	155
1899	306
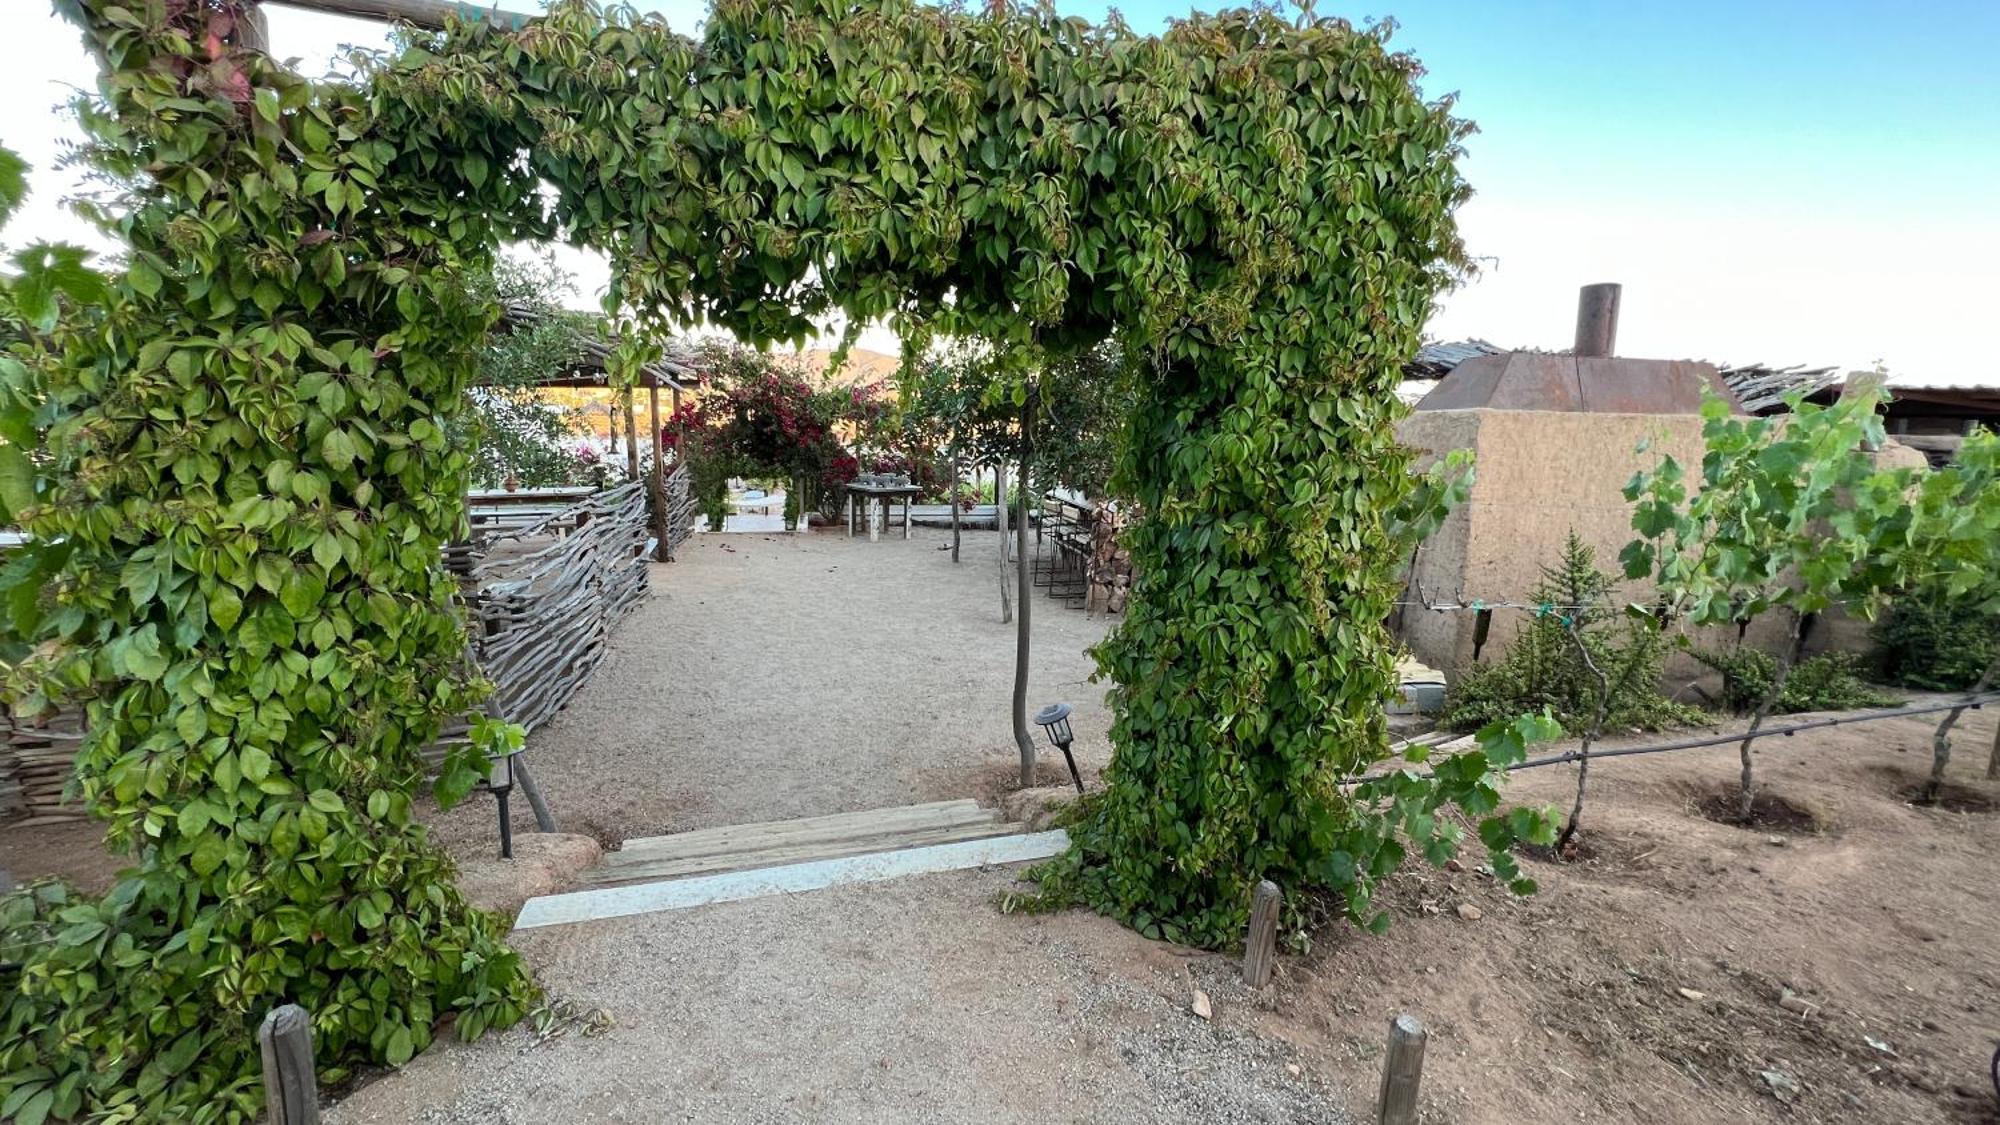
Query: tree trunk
1747	797
1024	573
1941	741
1000	514
1993	760
1590	735
951	497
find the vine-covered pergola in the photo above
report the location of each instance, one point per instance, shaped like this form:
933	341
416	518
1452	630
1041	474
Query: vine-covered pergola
246	482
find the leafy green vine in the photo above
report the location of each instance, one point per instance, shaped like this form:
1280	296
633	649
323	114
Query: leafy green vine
248	475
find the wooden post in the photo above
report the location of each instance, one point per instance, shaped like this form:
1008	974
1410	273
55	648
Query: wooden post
253	31
431	15
952	496
631	436
1260	947
1402	1071
545	820
659	432
1993	761
291	1090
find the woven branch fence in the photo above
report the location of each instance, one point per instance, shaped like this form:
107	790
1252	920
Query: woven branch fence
540	602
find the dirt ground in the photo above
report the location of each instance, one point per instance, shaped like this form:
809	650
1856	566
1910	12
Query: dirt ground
1685	971
1879	924
895	1002
779	676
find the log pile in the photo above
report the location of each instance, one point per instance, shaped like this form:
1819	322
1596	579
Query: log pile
35	766
1109	565
539	610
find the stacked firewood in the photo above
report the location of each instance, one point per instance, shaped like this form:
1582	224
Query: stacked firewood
1109	564
35	767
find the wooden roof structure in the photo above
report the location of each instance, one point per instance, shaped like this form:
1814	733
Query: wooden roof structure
676	369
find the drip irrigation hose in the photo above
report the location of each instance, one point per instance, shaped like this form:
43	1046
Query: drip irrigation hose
1969	703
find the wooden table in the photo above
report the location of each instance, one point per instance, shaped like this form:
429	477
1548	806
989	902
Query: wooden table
859	496
497	510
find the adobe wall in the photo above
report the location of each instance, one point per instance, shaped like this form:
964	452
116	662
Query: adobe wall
1537	475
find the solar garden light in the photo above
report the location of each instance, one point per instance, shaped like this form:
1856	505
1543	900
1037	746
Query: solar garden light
1055	720
500	782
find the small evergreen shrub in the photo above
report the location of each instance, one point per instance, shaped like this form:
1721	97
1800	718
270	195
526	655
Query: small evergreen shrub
1545	669
1827	682
1920	644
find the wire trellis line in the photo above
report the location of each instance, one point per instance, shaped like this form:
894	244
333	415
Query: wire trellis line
1968	703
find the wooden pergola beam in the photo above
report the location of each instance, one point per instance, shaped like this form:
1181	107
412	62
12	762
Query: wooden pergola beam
428	14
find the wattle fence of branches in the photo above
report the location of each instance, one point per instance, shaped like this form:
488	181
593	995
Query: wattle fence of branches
540	600
540	621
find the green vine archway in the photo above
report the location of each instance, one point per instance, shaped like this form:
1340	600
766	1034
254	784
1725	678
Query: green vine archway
247	480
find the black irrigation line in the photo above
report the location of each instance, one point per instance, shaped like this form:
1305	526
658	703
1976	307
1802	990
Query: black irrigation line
1970	703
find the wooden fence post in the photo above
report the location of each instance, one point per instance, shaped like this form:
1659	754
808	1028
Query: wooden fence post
291	1090
1402	1071
1260	947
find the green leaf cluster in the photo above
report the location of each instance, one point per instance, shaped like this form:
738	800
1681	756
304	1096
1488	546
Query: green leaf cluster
1789	511
1827	682
232	458
1257	209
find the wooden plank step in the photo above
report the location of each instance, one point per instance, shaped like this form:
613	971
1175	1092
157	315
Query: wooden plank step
775	833
808	852
681	894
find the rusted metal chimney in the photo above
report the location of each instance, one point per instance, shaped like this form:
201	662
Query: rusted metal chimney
1589	378
1597	319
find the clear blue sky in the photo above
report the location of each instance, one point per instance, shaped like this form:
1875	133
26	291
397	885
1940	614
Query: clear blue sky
1784	182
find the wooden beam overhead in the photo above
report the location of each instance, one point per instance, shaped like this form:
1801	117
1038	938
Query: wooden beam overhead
430	14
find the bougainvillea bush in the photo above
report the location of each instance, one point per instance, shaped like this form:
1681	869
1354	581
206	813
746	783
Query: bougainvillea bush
755	416
247	479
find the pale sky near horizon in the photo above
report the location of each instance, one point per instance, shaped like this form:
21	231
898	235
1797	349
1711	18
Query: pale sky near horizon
1773	182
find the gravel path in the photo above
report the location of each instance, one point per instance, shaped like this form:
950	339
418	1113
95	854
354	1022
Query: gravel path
781	676
907	1001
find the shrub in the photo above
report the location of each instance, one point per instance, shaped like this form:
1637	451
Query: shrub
1544	669
1827	682
1920	644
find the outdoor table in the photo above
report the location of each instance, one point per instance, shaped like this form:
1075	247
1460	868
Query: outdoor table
496	511
859	496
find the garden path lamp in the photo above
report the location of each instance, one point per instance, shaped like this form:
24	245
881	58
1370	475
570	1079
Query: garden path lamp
1055	720
500	782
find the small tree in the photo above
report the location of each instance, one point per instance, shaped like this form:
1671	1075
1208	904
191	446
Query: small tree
1588	662
1949	556
1789	516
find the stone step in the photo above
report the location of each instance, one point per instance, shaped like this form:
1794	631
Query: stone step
741	847
793	878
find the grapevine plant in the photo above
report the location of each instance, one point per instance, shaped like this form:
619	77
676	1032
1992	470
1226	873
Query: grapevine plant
1788	514
244	476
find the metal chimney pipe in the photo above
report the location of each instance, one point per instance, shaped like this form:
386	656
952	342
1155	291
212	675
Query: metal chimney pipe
1597	319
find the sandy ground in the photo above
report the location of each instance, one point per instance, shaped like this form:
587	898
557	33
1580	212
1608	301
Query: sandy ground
780	676
901	1002
1566	1006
